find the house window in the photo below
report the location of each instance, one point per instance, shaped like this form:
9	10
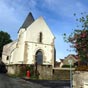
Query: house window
40	37
7	58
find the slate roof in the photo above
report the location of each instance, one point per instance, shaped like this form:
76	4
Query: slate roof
28	21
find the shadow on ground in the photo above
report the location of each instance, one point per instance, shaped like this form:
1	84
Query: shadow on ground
52	83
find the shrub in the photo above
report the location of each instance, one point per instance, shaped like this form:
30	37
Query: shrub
66	66
82	68
25	68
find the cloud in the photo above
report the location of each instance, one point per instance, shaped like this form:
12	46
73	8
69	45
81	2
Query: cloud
6	12
13	13
65	8
7	18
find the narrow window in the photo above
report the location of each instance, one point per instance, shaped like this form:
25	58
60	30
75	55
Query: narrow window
40	37
7	58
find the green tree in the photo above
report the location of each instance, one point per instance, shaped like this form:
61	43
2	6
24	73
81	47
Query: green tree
4	39
79	38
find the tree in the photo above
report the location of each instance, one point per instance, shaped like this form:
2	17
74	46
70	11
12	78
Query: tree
4	39
79	39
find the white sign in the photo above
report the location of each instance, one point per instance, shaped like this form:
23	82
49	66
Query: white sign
70	62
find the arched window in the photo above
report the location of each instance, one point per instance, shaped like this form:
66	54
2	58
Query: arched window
39	57
40	37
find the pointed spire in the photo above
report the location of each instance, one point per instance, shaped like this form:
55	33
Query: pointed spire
28	21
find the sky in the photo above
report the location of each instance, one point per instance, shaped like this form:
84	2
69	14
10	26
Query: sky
58	14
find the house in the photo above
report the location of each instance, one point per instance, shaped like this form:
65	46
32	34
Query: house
72	57
35	44
59	64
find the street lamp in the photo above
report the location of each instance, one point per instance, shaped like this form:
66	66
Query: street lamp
70	63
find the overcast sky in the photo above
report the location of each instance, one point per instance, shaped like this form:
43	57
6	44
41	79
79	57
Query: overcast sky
58	14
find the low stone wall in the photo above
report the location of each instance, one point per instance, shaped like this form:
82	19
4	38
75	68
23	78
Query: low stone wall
0	58
61	74
48	73
80	79
13	69
45	72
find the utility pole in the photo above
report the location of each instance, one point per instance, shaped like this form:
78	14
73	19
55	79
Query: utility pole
70	63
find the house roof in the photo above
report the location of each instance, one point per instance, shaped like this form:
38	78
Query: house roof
28	21
57	64
61	60
75	56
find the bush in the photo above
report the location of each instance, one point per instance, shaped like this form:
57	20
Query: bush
25	68
66	66
82	68
22	70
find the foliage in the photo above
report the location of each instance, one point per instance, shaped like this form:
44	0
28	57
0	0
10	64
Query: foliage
66	66
82	68
25	68
79	38
22	71
4	39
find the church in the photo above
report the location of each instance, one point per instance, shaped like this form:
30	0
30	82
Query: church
35	44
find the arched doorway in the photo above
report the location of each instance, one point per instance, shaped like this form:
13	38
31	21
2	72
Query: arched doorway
38	62
39	57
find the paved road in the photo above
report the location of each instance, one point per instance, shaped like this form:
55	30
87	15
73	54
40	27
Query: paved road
8	82
51	84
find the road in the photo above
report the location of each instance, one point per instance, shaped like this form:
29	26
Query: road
8	82
51	83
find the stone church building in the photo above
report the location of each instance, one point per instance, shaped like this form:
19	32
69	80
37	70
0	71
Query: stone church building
35	44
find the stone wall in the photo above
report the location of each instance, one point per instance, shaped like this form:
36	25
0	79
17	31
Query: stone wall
48	73
0	58
61	74
45	72
80	79
13	69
